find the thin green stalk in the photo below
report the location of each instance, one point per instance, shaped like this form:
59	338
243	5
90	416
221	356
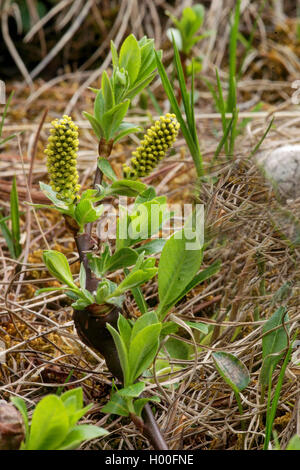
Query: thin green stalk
272	412
232	56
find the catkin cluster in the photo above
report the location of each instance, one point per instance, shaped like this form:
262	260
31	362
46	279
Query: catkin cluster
153	147
61	154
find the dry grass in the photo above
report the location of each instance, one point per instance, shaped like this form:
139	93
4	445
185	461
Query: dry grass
244	221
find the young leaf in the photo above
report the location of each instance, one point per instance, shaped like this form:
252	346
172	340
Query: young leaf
147	319
82	276
143	349
57	264
132	391
177	267
232	369
95	124
108	96
273	343
201	277
294	443
198	326
122	353
125	129
49	425
117	406
124	328
134	279
78	434
121	259
141	402
127	188
85	212
178	349
130	57
112	119
153	247
105	167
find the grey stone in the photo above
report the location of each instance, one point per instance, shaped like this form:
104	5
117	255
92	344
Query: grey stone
282	167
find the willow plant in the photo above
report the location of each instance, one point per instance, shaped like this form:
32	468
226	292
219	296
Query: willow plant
129	345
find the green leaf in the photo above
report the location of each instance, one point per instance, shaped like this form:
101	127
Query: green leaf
125	129
114	54
127	188
153	247
57	264
294	443
273	343
122	353
49	425
82	276
177	267
85	212
83	432
132	391
148	195
168	328
198	326
105	167
178	349
95	124
139	86
147	319
135	279
124	328
141	402
130	57
51	194
232	369
201	277
112	119
117	405
108	96
143	349
148	61
121	259
99	107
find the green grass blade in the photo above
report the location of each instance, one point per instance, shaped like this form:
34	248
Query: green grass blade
272	412
222	141
186	132
257	146
182	84
7	236
232	57
15	218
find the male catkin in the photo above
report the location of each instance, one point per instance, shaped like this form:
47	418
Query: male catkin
61	154
153	148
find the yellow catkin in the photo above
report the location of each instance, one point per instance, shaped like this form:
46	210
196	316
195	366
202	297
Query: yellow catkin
61	154
153	148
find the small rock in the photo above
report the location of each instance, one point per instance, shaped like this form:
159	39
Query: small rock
282	168
12	431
